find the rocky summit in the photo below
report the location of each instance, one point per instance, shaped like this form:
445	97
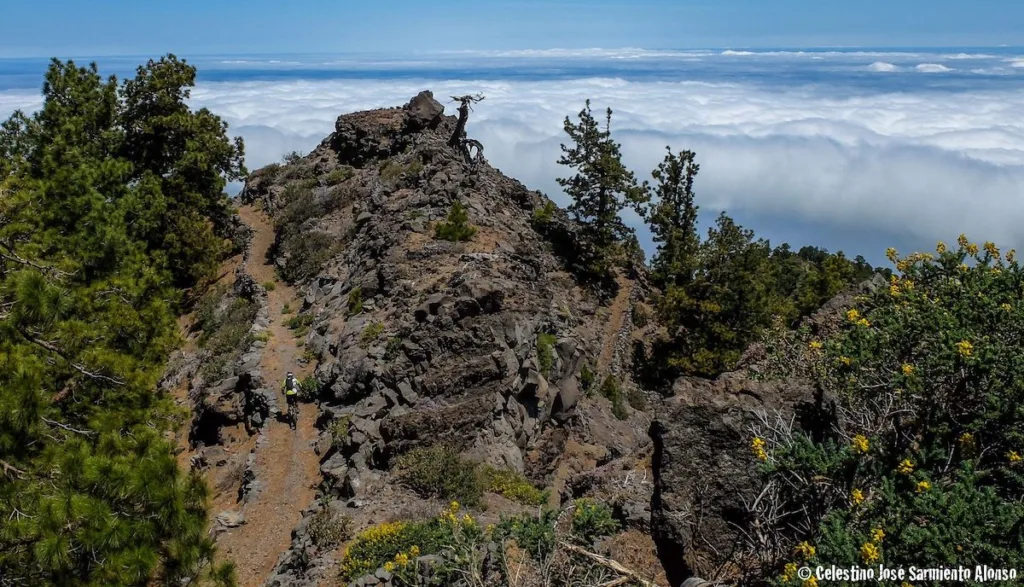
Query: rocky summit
488	347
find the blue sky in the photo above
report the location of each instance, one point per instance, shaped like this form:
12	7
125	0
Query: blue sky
132	27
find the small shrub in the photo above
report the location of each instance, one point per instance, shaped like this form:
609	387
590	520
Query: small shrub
338	175
546	352
269	285
456	227
300	322
642	314
587	377
309	388
370	334
271	170
393	348
339	430
440	471
544	215
286	309
264	335
612	390
396	545
329	528
308	356
292	158
355	301
307	255
636	400
535	535
592	520
513	485
226	330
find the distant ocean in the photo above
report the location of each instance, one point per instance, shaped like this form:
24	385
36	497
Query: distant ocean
854	149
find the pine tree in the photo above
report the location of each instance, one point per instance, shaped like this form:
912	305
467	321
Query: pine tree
602	185
456	227
96	239
673	219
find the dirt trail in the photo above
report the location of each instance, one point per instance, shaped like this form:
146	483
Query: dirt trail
286	466
616	318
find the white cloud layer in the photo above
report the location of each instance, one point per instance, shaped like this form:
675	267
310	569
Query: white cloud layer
903	167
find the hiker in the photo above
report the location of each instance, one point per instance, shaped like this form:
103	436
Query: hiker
291	396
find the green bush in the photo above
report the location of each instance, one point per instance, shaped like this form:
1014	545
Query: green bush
587	377
291	158
513	485
307	255
328	528
456	227
393	348
394	546
370	334
355	301
440	471
546	352
299	324
286	309
269	285
339	175
636	400
544	215
339	430
927	469
612	390
309	388
225	331
592	520
534	534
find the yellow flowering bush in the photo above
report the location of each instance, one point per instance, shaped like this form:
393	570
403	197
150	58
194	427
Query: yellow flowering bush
757	445
934	382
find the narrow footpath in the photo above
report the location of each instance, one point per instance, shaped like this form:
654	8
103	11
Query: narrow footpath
287	469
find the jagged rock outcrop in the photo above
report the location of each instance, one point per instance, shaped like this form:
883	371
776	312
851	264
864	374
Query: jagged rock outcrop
421	341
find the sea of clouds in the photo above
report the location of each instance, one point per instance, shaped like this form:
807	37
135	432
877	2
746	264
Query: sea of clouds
805	163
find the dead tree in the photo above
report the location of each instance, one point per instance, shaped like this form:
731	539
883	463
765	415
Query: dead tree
459	139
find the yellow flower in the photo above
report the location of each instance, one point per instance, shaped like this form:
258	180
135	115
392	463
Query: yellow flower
815	345
414	551
853	315
788	572
863	322
467	519
877	535
1010	255
905	584
891	254
965	348
811	581
907	369
845	361
1007	307
857	496
972	248
454	507
967	440
963	267
869	553
1014	456
402	559
894	290
903	265
991	249
908	285
906	467
757	445
805	549
962	240
940	248
923	486
389	567
860	444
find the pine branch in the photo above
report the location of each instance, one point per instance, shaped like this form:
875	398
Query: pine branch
53	349
8	469
12	256
69	428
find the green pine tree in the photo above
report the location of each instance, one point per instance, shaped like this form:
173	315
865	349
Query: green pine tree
456	227
602	185
111	202
673	219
